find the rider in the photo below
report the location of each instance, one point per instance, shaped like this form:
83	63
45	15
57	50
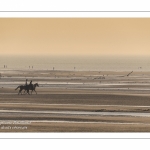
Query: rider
30	85
30	82
26	86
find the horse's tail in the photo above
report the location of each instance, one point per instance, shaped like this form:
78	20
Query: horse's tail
17	87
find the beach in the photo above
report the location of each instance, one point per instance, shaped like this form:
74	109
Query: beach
75	101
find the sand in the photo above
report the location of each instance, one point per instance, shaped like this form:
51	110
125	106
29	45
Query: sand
75	101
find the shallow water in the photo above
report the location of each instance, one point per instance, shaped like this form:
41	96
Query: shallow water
41	104
89	122
27	122
80	113
98	63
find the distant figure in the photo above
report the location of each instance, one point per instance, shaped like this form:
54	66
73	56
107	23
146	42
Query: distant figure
53	68
29	67
32	67
0	75
4	66
74	68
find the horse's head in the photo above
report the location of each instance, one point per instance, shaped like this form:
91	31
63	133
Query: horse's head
36	84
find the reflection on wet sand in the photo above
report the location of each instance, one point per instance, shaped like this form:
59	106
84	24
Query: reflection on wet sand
82	101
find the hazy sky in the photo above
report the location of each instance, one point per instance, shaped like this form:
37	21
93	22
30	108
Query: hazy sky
76	36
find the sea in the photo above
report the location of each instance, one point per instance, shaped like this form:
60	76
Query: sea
76	63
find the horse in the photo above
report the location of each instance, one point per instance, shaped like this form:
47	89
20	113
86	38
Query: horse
23	87
32	87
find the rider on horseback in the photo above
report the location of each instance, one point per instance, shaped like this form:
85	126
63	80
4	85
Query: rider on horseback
30	82
28	87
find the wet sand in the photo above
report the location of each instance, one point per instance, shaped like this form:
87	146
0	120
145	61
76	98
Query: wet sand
75	101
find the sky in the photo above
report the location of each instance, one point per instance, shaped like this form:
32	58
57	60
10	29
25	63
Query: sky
75	36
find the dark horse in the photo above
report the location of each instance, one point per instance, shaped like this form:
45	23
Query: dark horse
32	87
27	88
23	87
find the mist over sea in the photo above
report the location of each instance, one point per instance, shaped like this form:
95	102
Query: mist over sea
78	63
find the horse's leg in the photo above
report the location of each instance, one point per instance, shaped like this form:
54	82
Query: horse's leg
28	92
35	91
19	91
24	91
